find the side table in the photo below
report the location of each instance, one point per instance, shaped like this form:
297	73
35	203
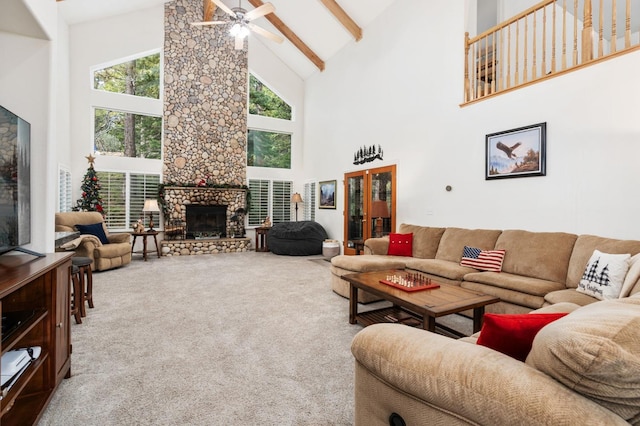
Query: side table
261	238
144	236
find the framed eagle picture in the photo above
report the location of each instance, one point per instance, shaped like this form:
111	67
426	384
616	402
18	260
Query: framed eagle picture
517	152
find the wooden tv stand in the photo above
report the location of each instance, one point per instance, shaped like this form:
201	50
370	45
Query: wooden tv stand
36	290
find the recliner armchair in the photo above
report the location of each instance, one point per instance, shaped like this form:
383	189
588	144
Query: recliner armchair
104	256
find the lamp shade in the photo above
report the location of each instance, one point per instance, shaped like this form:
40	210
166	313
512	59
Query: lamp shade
379	208
151	206
296	198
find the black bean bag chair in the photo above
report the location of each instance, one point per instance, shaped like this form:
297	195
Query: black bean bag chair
302	238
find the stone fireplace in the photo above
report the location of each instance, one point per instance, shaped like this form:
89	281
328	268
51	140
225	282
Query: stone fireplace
205	128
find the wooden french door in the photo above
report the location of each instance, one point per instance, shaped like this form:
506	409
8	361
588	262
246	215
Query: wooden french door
370	206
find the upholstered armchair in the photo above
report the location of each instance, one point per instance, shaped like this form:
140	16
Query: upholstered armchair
115	251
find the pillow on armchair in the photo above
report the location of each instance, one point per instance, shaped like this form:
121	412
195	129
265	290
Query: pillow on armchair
94	229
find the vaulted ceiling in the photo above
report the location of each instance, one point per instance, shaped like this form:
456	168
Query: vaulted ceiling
314	30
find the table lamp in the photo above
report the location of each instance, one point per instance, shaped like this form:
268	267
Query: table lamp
151	206
296	198
379	211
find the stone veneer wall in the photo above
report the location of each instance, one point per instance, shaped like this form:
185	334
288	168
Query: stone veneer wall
205	99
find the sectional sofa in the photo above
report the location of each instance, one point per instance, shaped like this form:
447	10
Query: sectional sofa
539	268
582	369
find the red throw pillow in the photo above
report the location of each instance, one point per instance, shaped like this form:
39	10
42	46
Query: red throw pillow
400	244
513	334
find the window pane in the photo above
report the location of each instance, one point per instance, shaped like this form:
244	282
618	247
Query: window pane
139	77
259	206
309	201
142	187
269	149
64	190
281	208
113	194
124	134
262	101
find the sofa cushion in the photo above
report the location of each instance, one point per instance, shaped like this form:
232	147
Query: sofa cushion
604	275
633	276
425	239
519	283
93	229
368	263
454	239
543	255
513	334
584	247
484	260
570	295
595	351
441	268
400	244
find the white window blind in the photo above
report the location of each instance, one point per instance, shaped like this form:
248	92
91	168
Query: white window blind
64	190
123	196
281	197
114	198
259	206
142	187
310	198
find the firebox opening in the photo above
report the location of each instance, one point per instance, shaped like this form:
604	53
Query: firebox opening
206	221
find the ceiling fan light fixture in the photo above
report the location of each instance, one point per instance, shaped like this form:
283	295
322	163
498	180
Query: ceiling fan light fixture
239	30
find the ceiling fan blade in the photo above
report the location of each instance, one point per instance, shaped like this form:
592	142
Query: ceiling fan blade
201	24
239	43
265	9
264	33
224	7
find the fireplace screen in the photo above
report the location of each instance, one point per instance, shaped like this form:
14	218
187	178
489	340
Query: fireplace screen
206	221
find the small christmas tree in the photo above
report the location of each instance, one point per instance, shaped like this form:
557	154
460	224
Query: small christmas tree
90	201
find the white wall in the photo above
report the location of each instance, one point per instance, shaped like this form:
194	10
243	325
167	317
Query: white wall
25	89
401	87
106	42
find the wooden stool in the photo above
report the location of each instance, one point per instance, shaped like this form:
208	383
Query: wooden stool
76	299
86	292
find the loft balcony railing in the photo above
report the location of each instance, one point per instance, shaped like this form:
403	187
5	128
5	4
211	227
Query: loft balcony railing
548	39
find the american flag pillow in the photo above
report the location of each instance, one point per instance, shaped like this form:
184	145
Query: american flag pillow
484	260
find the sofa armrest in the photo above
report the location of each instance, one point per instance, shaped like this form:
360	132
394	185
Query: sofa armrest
119	238
473	382
376	245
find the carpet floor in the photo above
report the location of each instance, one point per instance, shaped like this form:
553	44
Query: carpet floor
239	338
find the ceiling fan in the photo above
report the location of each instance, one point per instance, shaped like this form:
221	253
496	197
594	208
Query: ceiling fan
242	24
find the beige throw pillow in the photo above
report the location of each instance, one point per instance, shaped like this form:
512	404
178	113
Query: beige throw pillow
595	351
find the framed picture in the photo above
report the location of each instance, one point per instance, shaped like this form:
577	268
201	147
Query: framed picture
327	194
518	152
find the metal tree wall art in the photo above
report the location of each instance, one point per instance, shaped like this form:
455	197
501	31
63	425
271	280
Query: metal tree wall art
367	155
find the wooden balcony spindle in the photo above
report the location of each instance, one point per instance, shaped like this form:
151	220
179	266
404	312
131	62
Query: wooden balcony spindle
534	73
493	64
467	86
587	35
525	54
564	34
614	11
517	53
508	57
553	38
575	33
627	30
601	30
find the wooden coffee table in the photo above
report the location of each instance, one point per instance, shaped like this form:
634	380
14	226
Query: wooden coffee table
414	308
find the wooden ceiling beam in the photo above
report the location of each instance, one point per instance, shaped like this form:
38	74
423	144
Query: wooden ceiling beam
344	19
291	36
209	8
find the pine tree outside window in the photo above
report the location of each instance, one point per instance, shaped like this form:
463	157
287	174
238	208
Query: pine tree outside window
133	133
268	146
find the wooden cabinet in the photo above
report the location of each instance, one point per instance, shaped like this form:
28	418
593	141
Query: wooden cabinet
370	206
34	301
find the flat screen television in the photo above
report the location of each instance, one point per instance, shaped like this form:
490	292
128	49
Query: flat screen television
15	182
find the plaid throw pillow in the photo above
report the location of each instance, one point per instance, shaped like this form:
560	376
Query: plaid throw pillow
484	260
